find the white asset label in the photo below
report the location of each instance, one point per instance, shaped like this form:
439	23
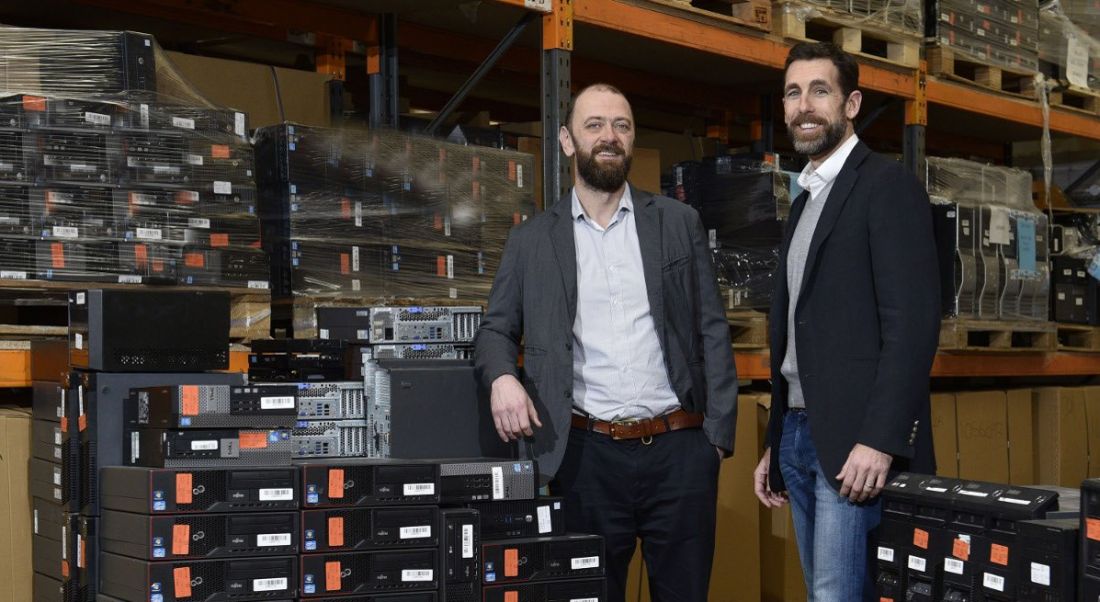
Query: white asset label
204	445
149	233
584	600
587	562
417	575
129	279
886	554
264	540
467	541
199	222
97	118
277	403
13	275
543	5
276	495
269	585
545	524
221	187
498	482
419	489
953	565
993	582
66	232
238	123
917	563
261	284
1040	573
182	122
415	532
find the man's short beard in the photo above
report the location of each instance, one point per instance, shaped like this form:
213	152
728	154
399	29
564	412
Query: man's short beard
605	178
834	134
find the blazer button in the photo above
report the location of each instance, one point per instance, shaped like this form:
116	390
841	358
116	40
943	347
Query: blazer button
569	346
568	393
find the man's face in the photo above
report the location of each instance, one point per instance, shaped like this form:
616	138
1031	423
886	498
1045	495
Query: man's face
600	137
817	114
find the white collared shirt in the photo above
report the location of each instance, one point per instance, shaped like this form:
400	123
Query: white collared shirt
819	182
619	369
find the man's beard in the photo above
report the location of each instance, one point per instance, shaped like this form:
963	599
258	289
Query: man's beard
608	177
827	140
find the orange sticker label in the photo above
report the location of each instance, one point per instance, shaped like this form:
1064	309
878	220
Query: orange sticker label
476	164
181	576
512	171
189	400
181	540
183	488
65	568
511	596
335	531
34	103
219	151
885	600
82	422
335	483
998	554
219	239
141	255
1092	528
57	255
345	263
158	266
82	554
64	425
961	549
476	190
441	266
345	208
511	562
332	576
437	221
194	260
516	219
920	538
253	439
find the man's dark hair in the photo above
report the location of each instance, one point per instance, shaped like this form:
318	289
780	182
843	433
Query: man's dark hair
846	65
568	118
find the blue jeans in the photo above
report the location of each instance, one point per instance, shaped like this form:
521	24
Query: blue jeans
831	531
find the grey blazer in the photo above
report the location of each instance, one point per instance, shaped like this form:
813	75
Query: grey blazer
534	302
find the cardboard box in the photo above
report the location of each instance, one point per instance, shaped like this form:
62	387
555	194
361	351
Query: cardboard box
1021	437
1092	411
983	435
1061	436
945	435
735	574
250	88
16	573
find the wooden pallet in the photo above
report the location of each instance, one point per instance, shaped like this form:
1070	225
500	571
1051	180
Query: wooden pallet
748	329
40	309
1077	99
946	64
958	334
1080	338
809	22
750	13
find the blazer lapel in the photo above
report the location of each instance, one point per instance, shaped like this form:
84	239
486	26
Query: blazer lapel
833	206
647	220
561	236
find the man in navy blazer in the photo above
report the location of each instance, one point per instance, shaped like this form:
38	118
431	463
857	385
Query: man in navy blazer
628	395
854	327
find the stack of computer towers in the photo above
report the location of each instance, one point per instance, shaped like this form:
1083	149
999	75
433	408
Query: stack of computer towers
950	539
118	340
408	332
333	421
1089	547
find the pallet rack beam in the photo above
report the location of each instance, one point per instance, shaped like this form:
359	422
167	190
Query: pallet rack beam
557	60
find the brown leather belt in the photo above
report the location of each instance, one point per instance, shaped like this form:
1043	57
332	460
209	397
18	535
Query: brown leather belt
640	429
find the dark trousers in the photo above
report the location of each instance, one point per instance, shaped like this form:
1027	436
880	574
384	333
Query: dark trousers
663	493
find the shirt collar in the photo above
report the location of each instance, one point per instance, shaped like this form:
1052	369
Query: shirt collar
625	202
816	179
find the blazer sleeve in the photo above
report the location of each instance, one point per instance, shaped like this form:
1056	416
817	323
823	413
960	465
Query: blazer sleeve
906	279
496	347
720	417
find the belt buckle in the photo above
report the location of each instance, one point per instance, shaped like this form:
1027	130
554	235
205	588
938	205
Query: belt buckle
646	439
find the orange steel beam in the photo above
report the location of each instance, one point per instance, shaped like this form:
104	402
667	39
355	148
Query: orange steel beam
1003	107
15	368
557	26
332	56
681	31
916	110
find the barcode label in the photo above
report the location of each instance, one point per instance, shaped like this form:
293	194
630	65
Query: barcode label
66	232
417	575
450	267
181	122
498	482
917	563
953	565
419	489
358	214
885	554
467	541
194	159
13	275
269	585
97	118
204	445
261	284
993	582
129	279
238	123
415	532
355	259
223	187
276	403
57	478
264	540
79	341
1040	573
199	222
588	562
149	233
276	495
519	176
584	600
146	200
545	525
135	447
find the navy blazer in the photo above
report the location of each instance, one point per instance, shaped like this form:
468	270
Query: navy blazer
534	302
867	320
